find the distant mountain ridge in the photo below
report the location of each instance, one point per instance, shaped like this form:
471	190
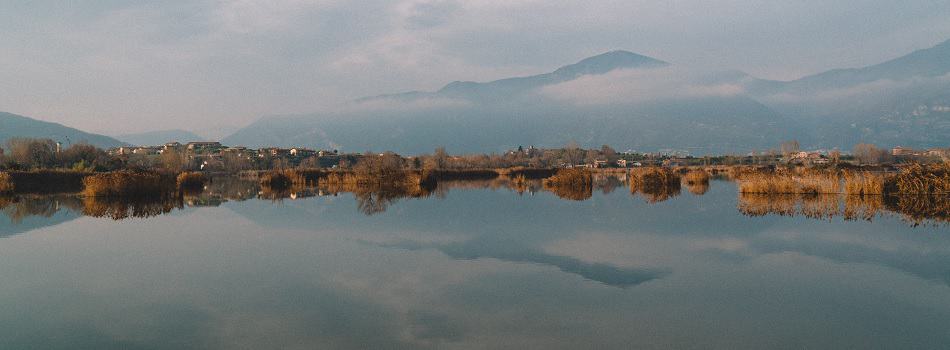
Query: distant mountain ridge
160	137
904	101
12	126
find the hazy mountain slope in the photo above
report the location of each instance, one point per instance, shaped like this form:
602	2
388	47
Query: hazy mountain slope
502	114
12	125
904	101
632	101
159	137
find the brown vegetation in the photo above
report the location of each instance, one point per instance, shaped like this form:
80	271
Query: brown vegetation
190	180
6	183
784	181
128	184
656	184
118	208
863	183
920	179
47	181
697	181
574	183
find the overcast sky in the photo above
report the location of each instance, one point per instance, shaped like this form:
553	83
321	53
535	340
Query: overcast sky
211	66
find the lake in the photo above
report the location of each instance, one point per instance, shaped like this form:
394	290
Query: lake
474	265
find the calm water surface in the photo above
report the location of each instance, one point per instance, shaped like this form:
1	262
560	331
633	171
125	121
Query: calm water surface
470	268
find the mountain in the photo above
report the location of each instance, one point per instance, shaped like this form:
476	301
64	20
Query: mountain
904	101
633	101
503	114
12	125
161	137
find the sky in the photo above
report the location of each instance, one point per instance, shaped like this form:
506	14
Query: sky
212	66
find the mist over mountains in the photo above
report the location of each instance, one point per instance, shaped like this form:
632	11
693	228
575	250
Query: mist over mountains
633	101
619	98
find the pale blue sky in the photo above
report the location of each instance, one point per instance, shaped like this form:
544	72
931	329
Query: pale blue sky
214	65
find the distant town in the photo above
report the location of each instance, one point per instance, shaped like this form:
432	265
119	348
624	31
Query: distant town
214	156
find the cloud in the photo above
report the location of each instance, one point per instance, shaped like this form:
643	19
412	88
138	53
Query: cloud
131	66
631	86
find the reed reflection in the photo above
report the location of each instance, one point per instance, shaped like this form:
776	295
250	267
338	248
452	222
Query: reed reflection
914	209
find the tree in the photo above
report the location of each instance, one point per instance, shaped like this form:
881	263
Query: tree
867	153
172	160
34	153
440	158
573	154
789	147
835	156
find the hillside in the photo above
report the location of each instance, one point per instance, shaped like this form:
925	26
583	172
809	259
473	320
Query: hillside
12	125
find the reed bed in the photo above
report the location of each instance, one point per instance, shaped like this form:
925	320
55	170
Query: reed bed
6	183
697	176
528	173
863	183
790	182
190	181
128	184
460	174
279	179
656	184
575	183
697	181
920	179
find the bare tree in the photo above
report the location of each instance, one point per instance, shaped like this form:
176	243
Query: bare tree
789	147
867	153
573	154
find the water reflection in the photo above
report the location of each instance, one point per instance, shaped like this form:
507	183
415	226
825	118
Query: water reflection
914	209
372	200
475	265
607	274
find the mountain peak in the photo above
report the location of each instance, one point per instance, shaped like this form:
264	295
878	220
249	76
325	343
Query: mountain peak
609	61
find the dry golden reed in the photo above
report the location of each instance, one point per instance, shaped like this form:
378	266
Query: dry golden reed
576	184
128	184
6	183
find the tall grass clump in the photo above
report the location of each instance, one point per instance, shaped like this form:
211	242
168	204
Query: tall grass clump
190	181
920	179
697	181
6	183
790	182
863	183
128	184
657	184
575	183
